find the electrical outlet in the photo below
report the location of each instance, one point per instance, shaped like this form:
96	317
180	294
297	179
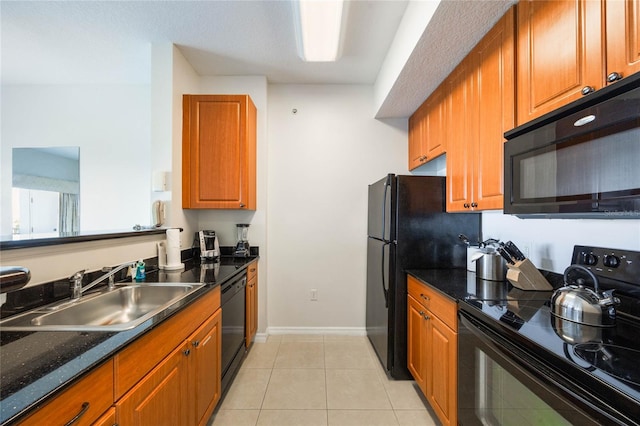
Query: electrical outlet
313	294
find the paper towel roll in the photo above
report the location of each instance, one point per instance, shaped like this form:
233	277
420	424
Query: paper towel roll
173	249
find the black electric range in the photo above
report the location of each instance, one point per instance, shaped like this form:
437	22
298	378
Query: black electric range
599	367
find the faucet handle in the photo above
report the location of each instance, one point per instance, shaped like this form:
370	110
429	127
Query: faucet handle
77	277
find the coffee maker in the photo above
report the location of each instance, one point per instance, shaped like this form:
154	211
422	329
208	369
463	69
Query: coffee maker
209	245
242	246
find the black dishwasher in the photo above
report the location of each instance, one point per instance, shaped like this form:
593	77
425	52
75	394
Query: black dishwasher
232	300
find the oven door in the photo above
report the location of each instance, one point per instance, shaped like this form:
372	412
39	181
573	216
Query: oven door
500	384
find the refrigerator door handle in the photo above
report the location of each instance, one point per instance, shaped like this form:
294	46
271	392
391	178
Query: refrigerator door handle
385	288
384	209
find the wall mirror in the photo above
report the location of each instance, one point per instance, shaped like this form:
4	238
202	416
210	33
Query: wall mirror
107	131
45	192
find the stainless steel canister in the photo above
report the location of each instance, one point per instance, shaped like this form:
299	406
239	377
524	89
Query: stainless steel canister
490	265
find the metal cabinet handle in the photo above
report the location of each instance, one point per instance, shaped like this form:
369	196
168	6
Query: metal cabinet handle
187	352
83	410
242	205
427	317
466	205
587	89
196	343
425	297
474	204
422	158
614	76
421	313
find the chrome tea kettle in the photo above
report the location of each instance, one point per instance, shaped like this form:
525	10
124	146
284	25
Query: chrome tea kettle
583	305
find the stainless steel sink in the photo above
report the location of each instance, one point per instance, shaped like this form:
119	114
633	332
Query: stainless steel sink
116	310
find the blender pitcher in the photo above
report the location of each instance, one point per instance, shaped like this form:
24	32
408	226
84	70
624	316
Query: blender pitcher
242	246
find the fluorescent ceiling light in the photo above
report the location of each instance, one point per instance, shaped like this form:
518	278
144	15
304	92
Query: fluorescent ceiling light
319	26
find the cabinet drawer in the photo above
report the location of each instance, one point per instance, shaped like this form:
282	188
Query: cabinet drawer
85	400
252	270
137	359
439	305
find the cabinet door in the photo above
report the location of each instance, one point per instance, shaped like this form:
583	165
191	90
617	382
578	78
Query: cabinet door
160	398
461	144
435	122
495	94
205	367
107	419
417	149
84	401
416	342
251	312
218	151
559	54
442	366
623	36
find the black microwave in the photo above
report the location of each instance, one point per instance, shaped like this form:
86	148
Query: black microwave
582	160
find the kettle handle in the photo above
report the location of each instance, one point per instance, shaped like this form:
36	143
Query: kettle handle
585	270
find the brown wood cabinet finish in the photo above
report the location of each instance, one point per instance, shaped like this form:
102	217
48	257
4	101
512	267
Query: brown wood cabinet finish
95	389
623	37
427	135
560	53
432	347
481	109
251	313
205	368
219	152
107	419
160	398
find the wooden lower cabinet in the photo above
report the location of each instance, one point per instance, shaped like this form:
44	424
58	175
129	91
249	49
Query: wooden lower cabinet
432	348
85	401
205	368
160	398
107	419
251	312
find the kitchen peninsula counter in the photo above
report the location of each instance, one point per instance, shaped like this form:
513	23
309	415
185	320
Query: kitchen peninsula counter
34	366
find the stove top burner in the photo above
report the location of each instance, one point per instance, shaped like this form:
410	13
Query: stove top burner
618	361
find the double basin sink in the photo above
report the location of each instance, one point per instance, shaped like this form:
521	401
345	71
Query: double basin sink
119	309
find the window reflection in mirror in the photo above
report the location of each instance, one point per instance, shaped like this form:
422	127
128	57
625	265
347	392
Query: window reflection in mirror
45	192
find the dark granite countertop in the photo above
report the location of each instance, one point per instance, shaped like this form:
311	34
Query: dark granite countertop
460	284
36	365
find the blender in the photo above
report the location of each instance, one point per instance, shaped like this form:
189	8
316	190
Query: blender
242	246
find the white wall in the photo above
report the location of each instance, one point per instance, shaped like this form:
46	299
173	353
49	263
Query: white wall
550	241
321	160
224	222
110	124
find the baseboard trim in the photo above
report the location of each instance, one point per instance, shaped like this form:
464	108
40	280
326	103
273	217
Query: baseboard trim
334	331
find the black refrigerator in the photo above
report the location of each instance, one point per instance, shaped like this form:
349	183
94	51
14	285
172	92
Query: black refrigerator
408	228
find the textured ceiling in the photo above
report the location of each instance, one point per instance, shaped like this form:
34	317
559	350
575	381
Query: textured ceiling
108	42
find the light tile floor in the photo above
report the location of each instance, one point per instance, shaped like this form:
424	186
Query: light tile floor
319	380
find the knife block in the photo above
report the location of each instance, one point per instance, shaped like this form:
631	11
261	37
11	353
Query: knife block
525	276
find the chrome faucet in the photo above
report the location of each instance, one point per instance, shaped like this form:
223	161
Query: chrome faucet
76	279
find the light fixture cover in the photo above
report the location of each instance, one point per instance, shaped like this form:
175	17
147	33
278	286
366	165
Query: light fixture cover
318	27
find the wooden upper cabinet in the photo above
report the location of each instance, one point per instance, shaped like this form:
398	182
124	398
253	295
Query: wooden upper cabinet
426	129
461	140
219	152
495	83
560	53
623	37
480	109
417	145
435	123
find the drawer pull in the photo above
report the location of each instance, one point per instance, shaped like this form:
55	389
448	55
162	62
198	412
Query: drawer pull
426	317
424	297
83	410
196	343
187	352
421	313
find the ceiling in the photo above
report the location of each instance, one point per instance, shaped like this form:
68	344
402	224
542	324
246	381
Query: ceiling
108	42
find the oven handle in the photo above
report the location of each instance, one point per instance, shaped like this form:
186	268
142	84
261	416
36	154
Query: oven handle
536	369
